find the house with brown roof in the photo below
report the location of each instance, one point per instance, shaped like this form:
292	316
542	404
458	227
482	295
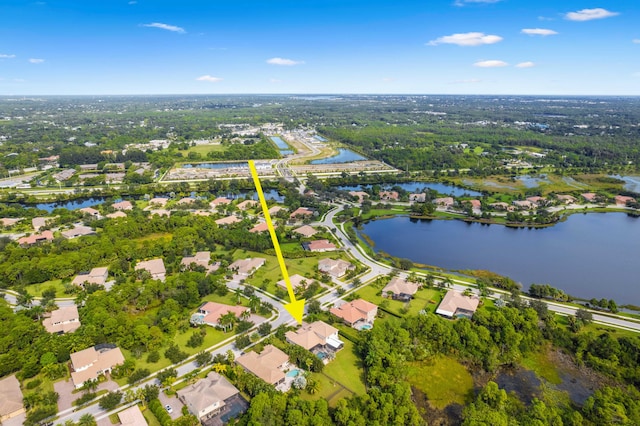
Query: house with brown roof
300	213
246	267
444	202
538	201
247	204
132	416
275	210
418	198
63	320
155	267
455	304
389	195
306	231
502	206
317	337
201	258
269	365
11	404
357	314
159	201
229	220
210	312
159	212
335	268
44	236
90	363
298	282
123	205
9	221
208	397
186	201
260	227
77	231
524	204
40	222
622	200
319	246
220	201
400	289
95	276
565	198
118	214
361	195
475	204
590	197
90	212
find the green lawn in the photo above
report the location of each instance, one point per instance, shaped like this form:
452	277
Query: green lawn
37	289
540	363
150	418
443	380
204	149
422	300
330	390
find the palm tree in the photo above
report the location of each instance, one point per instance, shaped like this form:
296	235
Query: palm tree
313	386
227	320
87	420
25	299
90	385
254	303
38	311
238	293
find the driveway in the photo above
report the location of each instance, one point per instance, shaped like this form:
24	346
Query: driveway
174	402
65	389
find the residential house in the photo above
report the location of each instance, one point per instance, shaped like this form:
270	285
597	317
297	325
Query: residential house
260	227
319	246
44	236
456	304
389	195
9	221
77	231
201	213
159	201
11	404
444	202
64	175
335	268
116	215
90	363
502	206
201	258
296	282
39	222
357	313
132	416
208	397
155	267
418	198
96	276
220	201
123	205
247	204
63	320
275	210
590	197
229	220
400	289
159	212
621	200
538	201
186	200
301	213
210	312
306	231
246	267
90	212
269	365
317	337
524	204
361	195
476	205
567	199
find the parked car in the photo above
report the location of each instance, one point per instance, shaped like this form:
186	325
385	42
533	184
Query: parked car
168	408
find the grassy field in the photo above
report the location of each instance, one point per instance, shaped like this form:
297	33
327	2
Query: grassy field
37	289
424	299
204	149
154	237
443	380
540	363
150	418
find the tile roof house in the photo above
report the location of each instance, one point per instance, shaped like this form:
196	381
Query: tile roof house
315	336
159	212
455	304
319	246
159	201
260	227
39	222
90	211
123	205
63	320
275	210
77	231
418	198
96	276
248	266
301	213
567	199
306	231
388	195
538	201
247	204
220	201
155	267
357	311
296	282
206	397
186	200
9	221
361	195
229	220
589	196
621	200
335	268
524	204
502	206
268	365
209	313
132	416
400	289
89	363
475	204
444	202
11	404
201	258
36	238
116	215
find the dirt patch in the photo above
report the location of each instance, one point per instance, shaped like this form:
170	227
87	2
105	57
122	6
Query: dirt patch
450	416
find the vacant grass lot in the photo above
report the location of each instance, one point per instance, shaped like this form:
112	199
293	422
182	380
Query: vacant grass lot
425	298
540	363
204	149
443	380
37	289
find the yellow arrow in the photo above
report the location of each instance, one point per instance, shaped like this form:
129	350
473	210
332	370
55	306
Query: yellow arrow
295	307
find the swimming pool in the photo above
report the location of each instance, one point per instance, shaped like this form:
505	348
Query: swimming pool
294	373
322	355
366	327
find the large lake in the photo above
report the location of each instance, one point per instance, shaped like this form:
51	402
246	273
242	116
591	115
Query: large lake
588	255
343	156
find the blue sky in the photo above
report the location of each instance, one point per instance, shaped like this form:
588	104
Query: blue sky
568	47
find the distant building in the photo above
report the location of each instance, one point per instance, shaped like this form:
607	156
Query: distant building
247	204
306	231
155	267
123	205
201	258
116	215
621	200
444	202
220	201
389	195
275	210
567	199
77	231
456	304
9	221
63	320
90	363
260	227
361	195
45	236
589	197
524	204
159	201
90	212
229	220
301	213
11	404
418	198
39	222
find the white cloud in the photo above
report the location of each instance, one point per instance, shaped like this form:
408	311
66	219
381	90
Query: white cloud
636	40
527	64
490	64
283	61
589	14
209	78
463	2
165	27
5	56
36	60
466	39
538	31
